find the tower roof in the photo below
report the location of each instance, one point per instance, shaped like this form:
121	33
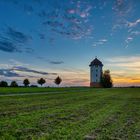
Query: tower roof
96	62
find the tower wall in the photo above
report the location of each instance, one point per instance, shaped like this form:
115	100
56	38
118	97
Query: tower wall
95	74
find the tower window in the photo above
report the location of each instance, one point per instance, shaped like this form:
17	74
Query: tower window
96	75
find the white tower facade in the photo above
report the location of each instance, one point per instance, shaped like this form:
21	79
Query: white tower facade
95	73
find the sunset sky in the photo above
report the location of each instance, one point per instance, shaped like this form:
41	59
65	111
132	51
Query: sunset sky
47	38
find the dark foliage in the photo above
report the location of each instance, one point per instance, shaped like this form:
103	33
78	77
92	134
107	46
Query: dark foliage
58	80
26	82
13	84
3	84
41	81
106	80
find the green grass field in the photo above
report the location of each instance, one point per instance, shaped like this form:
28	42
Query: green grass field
105	114
21	90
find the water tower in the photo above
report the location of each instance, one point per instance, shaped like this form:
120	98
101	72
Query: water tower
95	73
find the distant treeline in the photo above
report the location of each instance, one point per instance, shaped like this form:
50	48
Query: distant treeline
129	87
27	83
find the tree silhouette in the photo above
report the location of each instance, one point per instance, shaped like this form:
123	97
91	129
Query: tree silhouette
3	84
26	82
41	81
13	84
106	80
58	80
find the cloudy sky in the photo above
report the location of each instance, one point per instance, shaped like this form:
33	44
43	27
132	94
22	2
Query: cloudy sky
46	38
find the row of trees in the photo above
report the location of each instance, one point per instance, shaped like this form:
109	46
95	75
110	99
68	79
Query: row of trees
106	80
26	82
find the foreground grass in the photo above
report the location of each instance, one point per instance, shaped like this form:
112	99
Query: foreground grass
105	114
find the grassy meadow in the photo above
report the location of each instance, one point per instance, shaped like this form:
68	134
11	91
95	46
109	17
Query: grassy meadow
20	90
103	114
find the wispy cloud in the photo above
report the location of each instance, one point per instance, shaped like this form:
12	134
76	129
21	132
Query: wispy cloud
18	69
122	7
130	27
124	59
133	24
99	42
8	73
25	69
135	33
56	62
71	22
129	39
17	36
7	46
11	40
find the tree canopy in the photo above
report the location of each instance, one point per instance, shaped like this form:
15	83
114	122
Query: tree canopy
26	82
3	84
41	81
58	80
13	84
106	80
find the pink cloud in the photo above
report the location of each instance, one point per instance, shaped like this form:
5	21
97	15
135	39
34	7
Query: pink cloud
71	11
